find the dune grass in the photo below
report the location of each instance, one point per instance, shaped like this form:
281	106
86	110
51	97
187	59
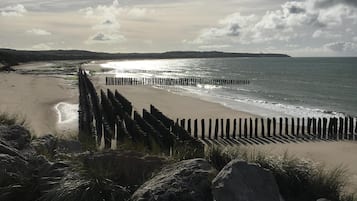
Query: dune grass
298	179
7	119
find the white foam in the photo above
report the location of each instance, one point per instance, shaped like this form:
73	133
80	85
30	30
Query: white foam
67	113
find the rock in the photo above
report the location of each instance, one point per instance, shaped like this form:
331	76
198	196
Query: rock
15	136
123	167
322	199
240	181
68	146
188	180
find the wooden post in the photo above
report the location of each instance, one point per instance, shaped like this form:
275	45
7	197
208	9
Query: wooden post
346	128
256	127
274	126
280	126
340	128
210	128
245	128
195	131
250	127
234	127
286	126
189	126
240	127
262	121
298	126
329	128
222	128
203	128
216	127
268	126
292	126
314	126
303	126
228	127
319	134
351	129
309	125
324	126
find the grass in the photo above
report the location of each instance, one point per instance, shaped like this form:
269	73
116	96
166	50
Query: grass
298	179
9	120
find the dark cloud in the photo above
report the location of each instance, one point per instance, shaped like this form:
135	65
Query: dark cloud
107	22
233	30
295	10
341	46
100	37
330	3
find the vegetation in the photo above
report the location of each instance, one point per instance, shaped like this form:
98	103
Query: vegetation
7	119
13	57
298	179
86	187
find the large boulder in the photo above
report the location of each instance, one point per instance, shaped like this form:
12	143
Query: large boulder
188	180
241	181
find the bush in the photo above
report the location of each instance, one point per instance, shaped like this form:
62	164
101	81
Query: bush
297	179
8	120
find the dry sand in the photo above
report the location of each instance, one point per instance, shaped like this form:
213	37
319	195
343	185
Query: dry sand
332	154
33	97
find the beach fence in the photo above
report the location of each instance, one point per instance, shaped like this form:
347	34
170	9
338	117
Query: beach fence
310	128
110	118
189	81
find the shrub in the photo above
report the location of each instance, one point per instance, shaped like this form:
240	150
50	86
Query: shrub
298	179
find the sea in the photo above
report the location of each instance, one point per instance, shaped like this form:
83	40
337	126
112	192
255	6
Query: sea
296	87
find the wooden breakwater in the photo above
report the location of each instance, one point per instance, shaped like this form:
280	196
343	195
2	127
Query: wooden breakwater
333	128
193	81
110	118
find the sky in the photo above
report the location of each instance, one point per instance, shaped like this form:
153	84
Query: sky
297	28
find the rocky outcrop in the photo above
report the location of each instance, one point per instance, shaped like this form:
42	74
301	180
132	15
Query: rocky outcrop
188	180
241	181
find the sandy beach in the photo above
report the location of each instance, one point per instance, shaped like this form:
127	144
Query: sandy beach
34	97
37	97
331	153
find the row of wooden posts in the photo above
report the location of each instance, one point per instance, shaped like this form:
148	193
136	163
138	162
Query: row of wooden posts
111	117
314	128
171	81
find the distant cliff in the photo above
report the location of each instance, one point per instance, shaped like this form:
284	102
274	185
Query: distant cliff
13	57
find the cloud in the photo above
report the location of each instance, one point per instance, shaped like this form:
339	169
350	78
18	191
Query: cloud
106	38
14	11
325	34
38	32
230	26
289	22
42	46
213	47
341	46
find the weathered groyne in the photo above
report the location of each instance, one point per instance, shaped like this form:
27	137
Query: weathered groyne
309	128
188	81
111	119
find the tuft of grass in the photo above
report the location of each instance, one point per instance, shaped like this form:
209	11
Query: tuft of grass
86	188
298	179
7	119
